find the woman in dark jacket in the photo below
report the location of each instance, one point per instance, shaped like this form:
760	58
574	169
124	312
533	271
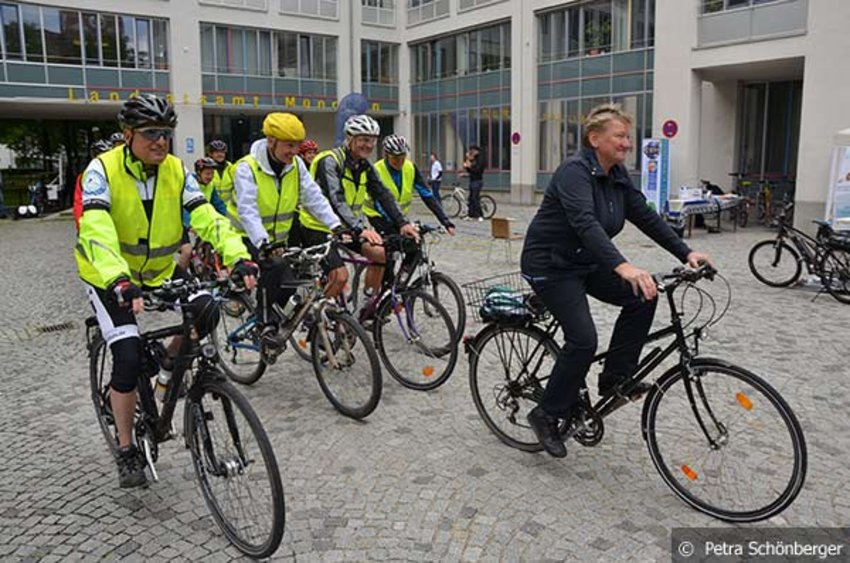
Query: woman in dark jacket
568	254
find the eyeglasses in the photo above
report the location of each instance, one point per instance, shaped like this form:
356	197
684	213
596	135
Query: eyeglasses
154	133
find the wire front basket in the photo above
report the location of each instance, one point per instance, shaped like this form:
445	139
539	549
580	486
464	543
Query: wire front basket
479	297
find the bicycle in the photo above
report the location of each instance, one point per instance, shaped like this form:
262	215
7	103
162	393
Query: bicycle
704	420
343	358
231	454
777	263
420	348
455	203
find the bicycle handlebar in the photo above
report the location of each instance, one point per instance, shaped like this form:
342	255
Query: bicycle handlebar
172	291
682	274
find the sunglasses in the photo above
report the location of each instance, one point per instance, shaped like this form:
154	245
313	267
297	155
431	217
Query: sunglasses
154	133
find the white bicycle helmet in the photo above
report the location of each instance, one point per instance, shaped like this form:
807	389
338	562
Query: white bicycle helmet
361	125
396	145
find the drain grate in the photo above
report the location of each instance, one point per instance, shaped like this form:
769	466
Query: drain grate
47	329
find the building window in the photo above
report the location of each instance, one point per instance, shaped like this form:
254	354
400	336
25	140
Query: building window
419	11
322	8
481	50
379	12
12	45
62	36
711	6
379	62
450	134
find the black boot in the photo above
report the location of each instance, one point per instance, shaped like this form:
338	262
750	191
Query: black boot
545	428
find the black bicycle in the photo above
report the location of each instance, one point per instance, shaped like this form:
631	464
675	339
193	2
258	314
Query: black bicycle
231	453
778	262
713	429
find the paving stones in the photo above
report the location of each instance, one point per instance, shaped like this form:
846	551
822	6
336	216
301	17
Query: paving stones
422	478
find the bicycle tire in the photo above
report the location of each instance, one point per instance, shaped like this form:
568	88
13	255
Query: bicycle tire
238	358
100	377
347	335
834	270
438	352
301	345
449	295
735	399
451	205
201	418
506	397
488	206
761	265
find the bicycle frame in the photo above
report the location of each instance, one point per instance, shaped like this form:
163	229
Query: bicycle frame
810	248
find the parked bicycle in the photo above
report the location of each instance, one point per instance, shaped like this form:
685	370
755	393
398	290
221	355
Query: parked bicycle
455	204
343	357
777	263
231	453
713	429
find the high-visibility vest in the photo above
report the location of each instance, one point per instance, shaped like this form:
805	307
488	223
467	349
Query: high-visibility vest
223	182
403	195
355	194
276	205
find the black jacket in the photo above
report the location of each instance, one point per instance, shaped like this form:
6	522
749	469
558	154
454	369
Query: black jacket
582	210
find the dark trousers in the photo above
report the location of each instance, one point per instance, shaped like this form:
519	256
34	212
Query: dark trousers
435	189
475	198
566	299
277	282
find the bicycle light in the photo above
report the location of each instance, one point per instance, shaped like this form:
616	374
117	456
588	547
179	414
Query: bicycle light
208	351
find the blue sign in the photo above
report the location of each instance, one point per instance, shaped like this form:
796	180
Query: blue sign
190	145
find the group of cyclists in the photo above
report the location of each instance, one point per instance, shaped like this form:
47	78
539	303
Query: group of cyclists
137	203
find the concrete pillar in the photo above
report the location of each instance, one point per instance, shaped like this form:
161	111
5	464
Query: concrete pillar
404	120
185	35
523	103
348	53
718	133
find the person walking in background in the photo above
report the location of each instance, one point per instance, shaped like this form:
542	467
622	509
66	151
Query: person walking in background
436	176
474	166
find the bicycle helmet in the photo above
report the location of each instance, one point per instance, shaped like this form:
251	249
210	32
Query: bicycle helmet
361	125
396	145
99	147
147	110
117	138
218	145
284	127
205	162
307	145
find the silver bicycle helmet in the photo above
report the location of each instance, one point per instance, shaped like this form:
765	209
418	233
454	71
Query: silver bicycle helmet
361	125
396	145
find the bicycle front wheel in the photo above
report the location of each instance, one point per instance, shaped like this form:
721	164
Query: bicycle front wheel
504	366
451	205
488	207
237	340
448	293
835	274
775	263
100	378
725	441
416	340
235	466
346	366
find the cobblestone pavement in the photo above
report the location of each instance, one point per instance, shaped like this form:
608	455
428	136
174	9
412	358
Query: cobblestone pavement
422	478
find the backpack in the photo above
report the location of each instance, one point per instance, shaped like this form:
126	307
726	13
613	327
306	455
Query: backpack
504	306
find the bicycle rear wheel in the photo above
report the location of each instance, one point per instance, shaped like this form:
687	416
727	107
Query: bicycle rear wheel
446	291
235	466
835	274
488	207
504	365
100	378
775	263
451	205
416	340
237	340
725	441
354	384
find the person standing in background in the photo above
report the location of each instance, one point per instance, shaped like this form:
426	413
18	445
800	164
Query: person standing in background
436	177
474	166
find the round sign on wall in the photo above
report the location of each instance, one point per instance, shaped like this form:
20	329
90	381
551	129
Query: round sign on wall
670	128
515	137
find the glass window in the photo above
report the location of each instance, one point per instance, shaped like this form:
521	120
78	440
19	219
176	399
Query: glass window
365	63
207	48
597	28
318	66
304	49
222	49
91	47
108	40
490	48
287	54
446	56
143	42
160	44
620	25
330	58
573	20
506	46
237	51
650	16
31	18
126	34
544	46
62	36
11	31
638	39
559	35
251	56
265	53
472	65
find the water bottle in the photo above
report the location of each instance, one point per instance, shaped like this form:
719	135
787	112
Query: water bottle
293	303
161	383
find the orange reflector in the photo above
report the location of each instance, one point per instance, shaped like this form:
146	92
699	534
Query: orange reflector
302	343
428	371
399	308
744	401
689	473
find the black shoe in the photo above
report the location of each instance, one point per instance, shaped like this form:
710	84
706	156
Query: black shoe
612	384
131	468
546	429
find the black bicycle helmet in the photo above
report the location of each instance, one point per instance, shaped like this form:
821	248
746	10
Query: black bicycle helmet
147	110
99	147
218	145
205	162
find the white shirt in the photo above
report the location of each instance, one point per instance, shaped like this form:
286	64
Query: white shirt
436	168
96	189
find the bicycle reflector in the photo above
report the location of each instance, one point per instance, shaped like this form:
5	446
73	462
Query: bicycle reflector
744	401
302	344
428	371
689	473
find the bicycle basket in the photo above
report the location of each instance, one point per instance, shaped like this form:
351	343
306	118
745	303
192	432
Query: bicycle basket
503	299
839	242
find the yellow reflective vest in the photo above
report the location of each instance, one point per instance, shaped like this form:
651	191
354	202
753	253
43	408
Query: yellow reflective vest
223	182
355	194
276	205
403	195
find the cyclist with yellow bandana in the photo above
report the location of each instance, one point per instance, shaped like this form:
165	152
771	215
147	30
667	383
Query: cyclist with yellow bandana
129	231
346	177
270	182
